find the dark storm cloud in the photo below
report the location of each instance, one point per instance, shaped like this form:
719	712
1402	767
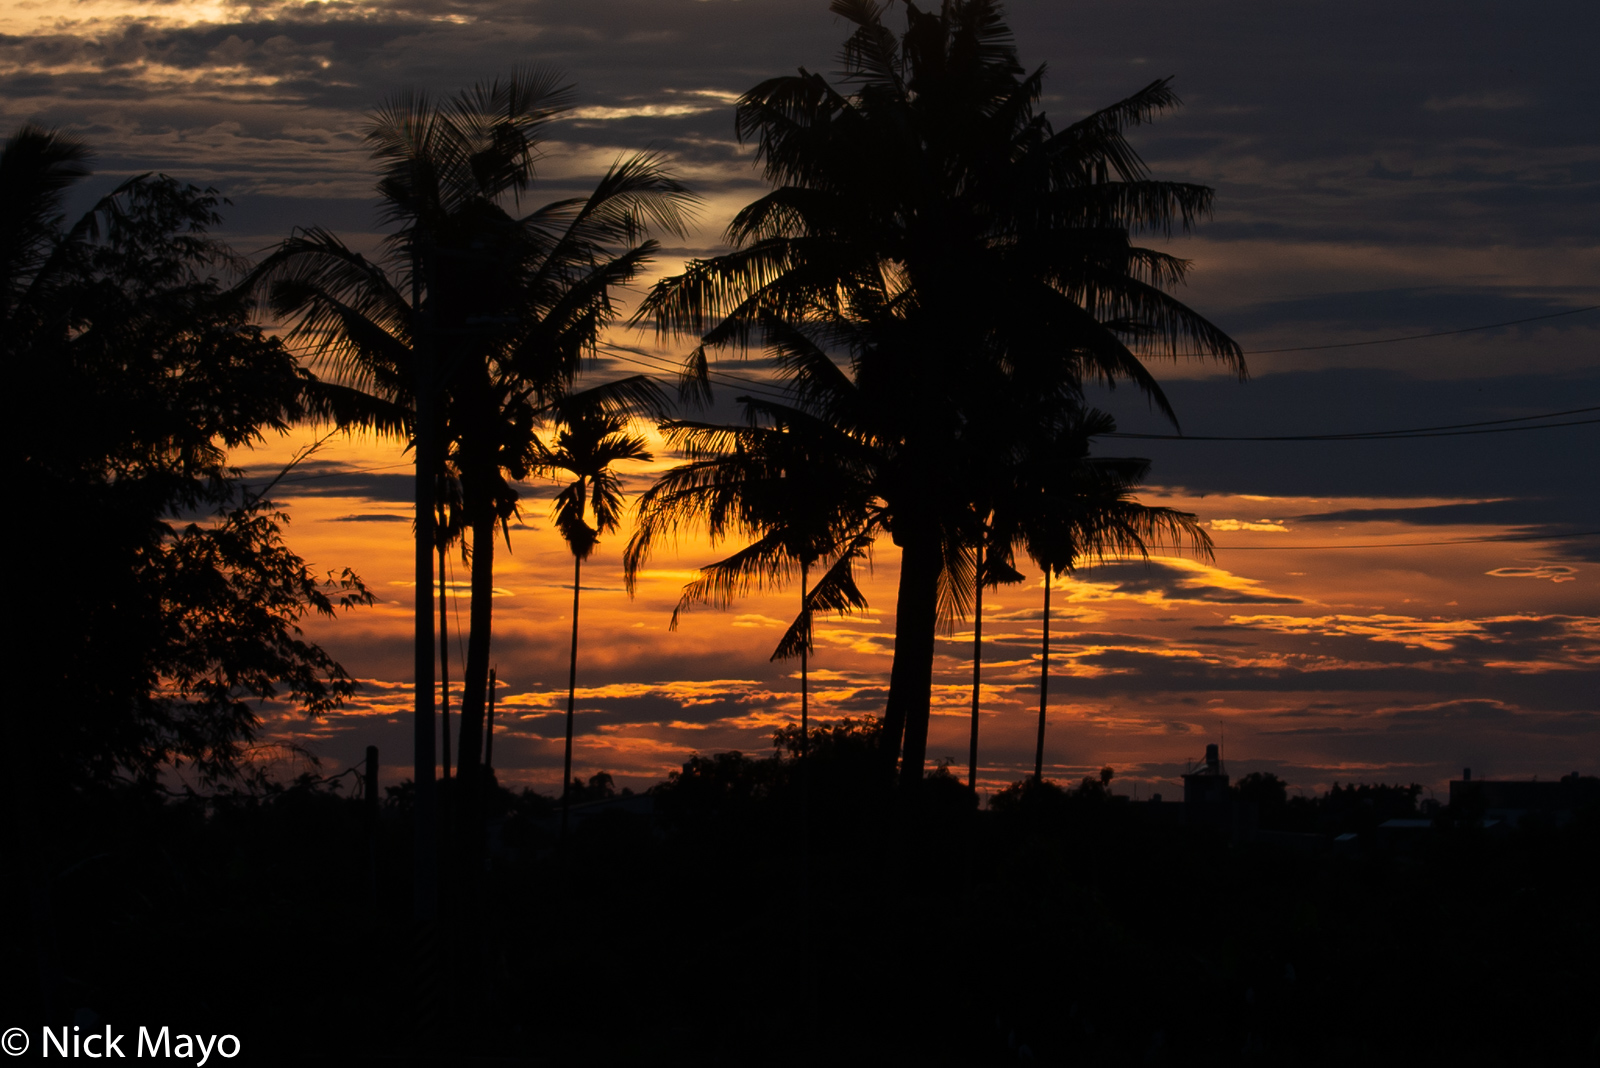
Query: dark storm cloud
1418	308
1475	715
1515	512
868	700
1448	122
645	710
1174	584
1544	479
1522	637
319	478
1130	672
1062	638
1320	121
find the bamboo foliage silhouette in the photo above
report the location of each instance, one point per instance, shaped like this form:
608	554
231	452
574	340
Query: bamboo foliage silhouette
587	444
987	255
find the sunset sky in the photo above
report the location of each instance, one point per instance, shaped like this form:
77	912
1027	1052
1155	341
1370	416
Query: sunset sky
1381	169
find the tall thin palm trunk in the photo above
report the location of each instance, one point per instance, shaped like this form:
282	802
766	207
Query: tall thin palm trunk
977	669
1044	684
488	730
572	691
425	881
805	739
805	729
444	663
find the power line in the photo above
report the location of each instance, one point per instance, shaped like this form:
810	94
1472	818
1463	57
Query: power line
638	356
1419	337
1376	435
1484	422
1414	544
748	383
1448	430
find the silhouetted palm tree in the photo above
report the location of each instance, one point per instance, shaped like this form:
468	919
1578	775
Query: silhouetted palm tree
797	479
986	255
37	167
478	324
1063	506
587	444
989	569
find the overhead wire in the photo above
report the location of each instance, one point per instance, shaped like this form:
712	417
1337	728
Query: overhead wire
1554	536
1488	426
638	357
1419	337
1447	430
652	362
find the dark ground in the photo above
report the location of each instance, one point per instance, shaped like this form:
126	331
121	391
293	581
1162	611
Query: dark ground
1068	929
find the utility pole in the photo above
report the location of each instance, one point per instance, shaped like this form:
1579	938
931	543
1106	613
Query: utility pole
488	730
572	691
444	654
370	792
424	756
1044	684
977	667
425	847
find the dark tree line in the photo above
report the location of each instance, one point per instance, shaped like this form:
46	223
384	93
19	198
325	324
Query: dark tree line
160	605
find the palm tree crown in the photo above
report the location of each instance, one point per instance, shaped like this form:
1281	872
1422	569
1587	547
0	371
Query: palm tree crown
475	322
974	262
589	442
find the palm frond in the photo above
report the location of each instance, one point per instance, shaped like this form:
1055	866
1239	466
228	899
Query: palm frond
835	592
756	566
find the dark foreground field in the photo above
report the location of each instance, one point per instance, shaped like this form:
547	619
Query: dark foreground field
691	927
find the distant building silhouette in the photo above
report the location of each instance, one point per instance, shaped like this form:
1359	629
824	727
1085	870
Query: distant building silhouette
1208	786
1511	801
1208	802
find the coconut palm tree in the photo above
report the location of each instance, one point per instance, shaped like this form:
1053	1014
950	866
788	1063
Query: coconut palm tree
797	479
1063	506
587	444
989	570
475	320
1042	493
987	255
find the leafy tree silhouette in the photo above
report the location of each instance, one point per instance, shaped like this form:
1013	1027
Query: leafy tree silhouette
988	253
165	607
169	602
